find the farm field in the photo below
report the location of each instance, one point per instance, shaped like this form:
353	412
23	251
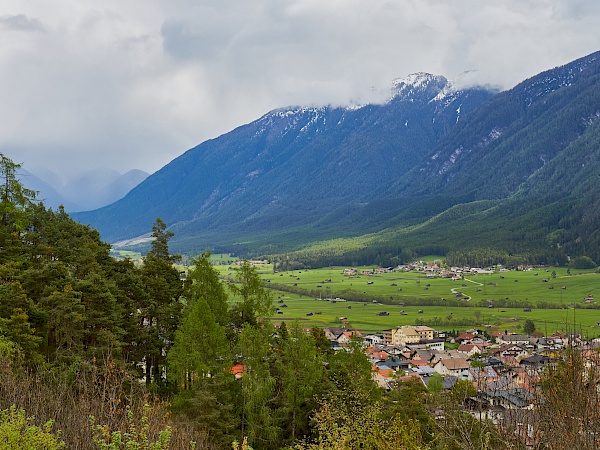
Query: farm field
527	287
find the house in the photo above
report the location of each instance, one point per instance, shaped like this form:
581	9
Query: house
514	339
482	377
397	364
373	339
470	350
510	351
536	361
464	338
434	344
457	367
341	336
515	398
382	375
426	333
387	337
238	370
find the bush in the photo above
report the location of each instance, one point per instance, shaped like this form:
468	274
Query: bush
583	262
18	433
134	438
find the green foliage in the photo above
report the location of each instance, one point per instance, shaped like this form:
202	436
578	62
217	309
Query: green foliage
18	433
135	438
436	383
259	423
255	300
583	262
362	426
159	316
203	281
301	369
529	327
200	349
14	199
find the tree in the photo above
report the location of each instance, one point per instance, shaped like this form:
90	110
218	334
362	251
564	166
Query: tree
529	327
568	408
258	387
436	383
255	301
350	373
362	427
200	349
301	368
65	326
203	282
323	344
14	197
160	316
583	262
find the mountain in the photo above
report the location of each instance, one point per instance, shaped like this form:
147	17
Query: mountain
46	191
292	166
521	174
90	190
435	169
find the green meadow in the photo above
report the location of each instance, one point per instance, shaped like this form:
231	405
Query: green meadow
556	302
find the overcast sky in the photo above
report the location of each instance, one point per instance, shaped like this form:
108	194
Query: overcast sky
129	84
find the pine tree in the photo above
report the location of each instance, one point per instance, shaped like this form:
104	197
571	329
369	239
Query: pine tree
159	317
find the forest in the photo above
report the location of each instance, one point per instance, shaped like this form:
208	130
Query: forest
97	353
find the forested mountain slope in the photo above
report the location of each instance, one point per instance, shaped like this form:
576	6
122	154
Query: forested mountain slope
432	169
520	176
292	166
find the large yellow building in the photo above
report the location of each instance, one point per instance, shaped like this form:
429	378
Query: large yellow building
407	334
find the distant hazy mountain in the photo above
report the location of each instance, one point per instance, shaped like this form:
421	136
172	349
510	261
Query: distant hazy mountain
46	192
87	191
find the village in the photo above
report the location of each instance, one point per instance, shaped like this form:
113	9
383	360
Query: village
504	369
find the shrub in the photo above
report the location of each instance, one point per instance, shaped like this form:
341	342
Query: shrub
18	433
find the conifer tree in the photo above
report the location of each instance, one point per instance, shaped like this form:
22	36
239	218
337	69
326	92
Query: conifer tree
160	315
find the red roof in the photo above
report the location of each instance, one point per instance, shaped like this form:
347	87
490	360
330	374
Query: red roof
419	362
238	370
465	337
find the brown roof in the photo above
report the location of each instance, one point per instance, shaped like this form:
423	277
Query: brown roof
455	363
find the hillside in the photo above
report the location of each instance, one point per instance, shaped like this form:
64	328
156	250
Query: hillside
433	169
292	166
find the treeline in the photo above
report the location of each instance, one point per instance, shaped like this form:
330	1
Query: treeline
383	255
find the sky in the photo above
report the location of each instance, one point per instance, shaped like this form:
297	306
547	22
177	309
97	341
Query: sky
132	84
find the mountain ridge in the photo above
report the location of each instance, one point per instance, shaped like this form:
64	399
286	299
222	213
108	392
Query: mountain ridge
309	174
287	159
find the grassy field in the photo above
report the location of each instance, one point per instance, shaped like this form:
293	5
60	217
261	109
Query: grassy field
562	293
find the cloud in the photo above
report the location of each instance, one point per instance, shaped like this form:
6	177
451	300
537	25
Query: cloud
134	84
20	22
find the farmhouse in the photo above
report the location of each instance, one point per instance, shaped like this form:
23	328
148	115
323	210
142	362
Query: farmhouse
458	367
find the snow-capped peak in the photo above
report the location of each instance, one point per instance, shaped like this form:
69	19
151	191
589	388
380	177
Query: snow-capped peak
417	83
418	79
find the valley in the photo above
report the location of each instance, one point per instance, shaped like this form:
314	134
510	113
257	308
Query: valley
497	301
